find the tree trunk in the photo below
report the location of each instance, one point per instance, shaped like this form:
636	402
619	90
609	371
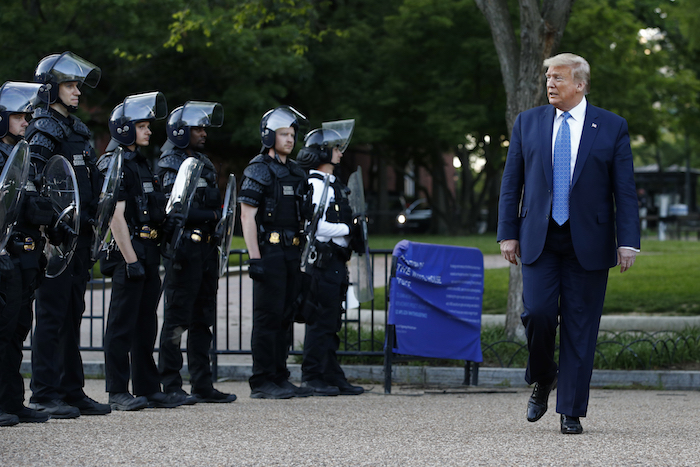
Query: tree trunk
542	24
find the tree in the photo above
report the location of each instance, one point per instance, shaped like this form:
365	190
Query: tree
542	25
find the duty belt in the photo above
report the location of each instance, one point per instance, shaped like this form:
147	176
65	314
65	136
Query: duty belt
21	243
197	236
147	233
284	237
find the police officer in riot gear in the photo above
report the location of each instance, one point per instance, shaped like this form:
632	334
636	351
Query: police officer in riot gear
191	278
57	368
327	266
21	265
271	222
132	324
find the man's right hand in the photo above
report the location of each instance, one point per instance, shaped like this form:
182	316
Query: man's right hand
171	223
59	234
256	269
135	271
510	250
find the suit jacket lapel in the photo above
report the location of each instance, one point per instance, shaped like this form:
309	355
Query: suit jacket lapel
590	131
546	126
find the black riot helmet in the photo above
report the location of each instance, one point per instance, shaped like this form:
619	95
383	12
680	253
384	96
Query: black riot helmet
192	114
56	69
16	98
281	117
319	143
135	108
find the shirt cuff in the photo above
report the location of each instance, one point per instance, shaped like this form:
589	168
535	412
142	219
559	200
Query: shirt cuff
629	248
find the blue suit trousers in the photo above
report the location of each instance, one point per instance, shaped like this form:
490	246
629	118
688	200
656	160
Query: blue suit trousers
557	290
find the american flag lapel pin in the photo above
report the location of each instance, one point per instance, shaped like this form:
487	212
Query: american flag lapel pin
594	125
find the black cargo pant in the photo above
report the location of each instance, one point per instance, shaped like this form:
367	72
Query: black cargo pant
191	283
273	314
57	367
132	326
329	285
16	295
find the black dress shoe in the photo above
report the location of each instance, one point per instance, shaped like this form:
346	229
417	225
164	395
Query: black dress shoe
269	390
298	391
56	409
321	388
89	406
345	388
215	396
161	400
571	425
8	419
26	415
537	404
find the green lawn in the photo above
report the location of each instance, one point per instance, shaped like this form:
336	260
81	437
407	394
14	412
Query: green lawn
665	278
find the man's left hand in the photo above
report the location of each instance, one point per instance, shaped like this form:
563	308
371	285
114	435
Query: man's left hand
625	258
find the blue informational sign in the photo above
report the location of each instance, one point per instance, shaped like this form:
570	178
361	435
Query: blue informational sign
436	299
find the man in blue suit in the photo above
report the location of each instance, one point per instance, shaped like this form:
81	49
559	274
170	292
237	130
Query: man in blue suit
568	209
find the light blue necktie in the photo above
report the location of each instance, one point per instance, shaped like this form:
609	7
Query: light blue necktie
562	172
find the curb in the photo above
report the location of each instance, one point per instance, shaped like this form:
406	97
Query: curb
454	376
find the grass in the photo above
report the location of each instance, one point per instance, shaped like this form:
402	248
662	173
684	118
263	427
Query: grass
663	280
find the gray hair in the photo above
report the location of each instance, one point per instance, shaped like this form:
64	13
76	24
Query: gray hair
580	69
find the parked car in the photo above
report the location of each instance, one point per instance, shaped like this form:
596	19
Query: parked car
416	217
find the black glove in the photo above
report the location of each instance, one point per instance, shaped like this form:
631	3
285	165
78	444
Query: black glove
135	271
172	222
6	263
59	234
357	240
39	210
256	269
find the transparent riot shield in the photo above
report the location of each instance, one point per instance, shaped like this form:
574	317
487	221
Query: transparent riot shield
13	178
224	228
181	198
61	187
107	203
361	278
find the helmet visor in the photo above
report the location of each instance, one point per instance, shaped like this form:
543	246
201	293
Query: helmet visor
202	114
147	106
284	117
16	97
344	128
70	67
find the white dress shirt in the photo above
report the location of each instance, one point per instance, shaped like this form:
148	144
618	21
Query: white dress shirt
578	116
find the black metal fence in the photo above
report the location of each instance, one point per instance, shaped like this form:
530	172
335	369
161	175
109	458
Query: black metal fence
363	332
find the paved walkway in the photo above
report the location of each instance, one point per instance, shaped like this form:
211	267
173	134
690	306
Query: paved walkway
411	427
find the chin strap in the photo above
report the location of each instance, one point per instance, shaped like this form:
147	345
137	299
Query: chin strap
70	108
14	138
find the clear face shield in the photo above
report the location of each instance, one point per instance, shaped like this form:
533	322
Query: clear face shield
70	67
202	114
16	97
284	117
147	106
344	129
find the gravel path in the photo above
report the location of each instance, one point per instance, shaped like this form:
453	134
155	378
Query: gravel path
411	427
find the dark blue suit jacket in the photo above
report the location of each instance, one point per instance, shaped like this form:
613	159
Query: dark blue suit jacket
603	200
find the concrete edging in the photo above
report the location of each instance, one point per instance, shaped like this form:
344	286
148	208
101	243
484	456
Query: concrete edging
454	376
